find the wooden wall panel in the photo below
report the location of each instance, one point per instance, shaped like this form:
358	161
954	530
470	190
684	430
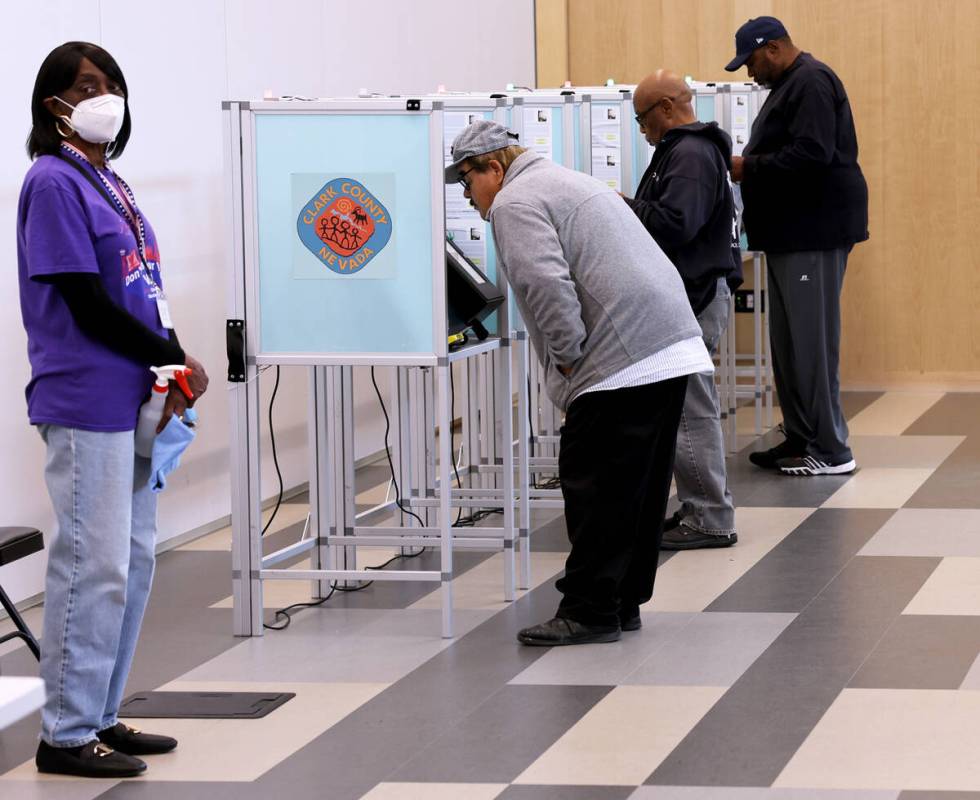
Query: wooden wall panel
912	71
551	32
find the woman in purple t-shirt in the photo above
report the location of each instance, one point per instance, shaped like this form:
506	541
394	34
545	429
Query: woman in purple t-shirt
92	301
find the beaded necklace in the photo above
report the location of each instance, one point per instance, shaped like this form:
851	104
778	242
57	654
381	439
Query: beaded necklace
126	206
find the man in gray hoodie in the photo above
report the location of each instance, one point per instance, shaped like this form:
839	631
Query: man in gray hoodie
610	321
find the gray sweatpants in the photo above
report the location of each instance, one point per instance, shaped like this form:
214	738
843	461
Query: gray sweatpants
804	327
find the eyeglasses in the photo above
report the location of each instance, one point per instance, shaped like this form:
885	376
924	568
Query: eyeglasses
462	178
639	117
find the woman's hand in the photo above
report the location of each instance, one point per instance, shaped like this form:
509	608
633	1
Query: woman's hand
177	402
198	379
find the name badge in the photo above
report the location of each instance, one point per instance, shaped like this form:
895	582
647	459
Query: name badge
164	311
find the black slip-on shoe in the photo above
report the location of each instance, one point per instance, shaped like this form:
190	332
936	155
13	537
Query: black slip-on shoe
134	742
768	459
91	760
808	466
631	624
629	618
685	538
672	521
559	631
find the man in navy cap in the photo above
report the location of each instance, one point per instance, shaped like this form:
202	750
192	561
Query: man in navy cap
806	205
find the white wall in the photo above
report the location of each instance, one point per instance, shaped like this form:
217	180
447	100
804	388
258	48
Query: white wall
181	59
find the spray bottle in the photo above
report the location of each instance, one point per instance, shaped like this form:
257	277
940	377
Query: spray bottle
152	410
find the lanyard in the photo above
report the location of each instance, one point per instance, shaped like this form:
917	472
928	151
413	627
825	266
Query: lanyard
126	207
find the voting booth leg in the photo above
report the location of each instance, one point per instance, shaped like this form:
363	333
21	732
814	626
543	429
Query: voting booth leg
445	496
404	439
490	421
524	472
767	342
471	423
757	338
505	421
347	442
429	466
322	523
246	514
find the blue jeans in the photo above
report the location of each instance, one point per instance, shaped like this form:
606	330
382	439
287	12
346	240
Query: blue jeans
100	566
699	463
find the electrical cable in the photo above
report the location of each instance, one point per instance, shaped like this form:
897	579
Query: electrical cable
334	587
551	483
452	438
275	455
391	464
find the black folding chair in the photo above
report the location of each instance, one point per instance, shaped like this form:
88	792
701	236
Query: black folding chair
15	544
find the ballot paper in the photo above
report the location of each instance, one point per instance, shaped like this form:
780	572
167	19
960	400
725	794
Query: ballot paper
607	144
464	225
740	123
538	134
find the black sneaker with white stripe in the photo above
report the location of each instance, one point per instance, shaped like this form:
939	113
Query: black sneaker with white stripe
808	465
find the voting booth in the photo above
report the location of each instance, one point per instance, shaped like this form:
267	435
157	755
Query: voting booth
338	259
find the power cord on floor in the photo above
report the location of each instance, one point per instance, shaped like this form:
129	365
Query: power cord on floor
284	613
275	455
471	520
551	483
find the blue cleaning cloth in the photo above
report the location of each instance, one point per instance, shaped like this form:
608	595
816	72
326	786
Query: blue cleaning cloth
168	447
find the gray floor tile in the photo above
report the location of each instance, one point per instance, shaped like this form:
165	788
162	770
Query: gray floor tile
972	679
954	483
565	793
606	664
145	789
322	648
853	403
922	652
755	793
366	746
86	789
955	414
939	796
910	452
928	532
502	737
801	565
751	486
757	726
713	649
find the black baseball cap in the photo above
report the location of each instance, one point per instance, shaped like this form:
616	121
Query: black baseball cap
753	35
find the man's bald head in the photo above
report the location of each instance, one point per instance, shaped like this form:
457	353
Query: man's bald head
662	101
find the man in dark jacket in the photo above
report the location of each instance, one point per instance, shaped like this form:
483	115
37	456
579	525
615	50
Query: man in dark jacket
806	205
685	201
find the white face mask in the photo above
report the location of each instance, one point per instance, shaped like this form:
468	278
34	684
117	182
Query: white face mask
99	119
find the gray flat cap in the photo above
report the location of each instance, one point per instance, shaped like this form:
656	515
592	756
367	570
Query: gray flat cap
483	136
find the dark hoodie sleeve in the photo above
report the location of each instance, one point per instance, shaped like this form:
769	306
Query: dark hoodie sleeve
99	317
688	195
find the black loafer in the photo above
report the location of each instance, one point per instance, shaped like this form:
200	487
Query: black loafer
672	521
559	631
631	624
685	538
91	760
134	742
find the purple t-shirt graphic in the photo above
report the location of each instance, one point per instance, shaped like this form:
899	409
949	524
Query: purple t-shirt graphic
65	225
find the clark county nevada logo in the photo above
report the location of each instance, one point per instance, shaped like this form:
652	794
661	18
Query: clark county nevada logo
344	225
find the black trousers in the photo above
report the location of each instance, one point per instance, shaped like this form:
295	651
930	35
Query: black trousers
615	465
